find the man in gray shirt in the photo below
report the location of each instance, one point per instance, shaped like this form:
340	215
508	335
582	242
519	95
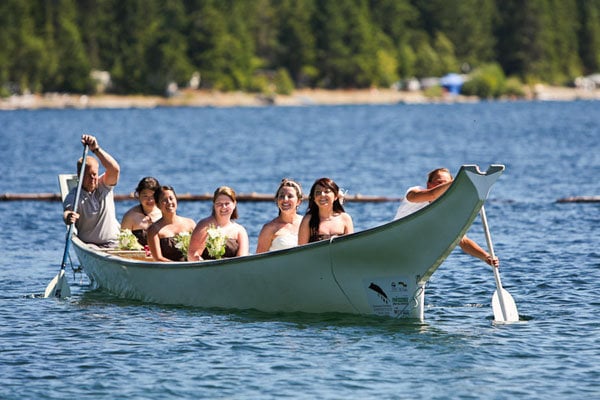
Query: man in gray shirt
96	219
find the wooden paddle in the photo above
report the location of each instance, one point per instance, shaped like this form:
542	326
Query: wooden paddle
503	304
59	287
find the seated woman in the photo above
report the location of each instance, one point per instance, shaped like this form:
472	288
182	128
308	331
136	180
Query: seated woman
161	234
224	211
282	232
139	218
325	217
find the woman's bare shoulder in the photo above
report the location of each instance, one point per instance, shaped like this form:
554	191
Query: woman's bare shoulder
155	227
133	211
190	223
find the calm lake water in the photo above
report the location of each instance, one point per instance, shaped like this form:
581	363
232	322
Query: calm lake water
94	345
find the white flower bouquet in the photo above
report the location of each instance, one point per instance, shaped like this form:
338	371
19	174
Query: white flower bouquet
215	241
182	242
128	241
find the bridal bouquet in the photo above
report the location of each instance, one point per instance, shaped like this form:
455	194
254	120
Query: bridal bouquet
215	241
128	241
182	242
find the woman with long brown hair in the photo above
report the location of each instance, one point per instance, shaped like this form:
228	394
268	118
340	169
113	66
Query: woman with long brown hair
325	217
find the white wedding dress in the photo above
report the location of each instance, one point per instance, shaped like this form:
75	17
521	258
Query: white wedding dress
284	241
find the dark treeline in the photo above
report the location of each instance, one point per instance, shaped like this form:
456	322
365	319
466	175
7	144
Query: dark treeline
53	45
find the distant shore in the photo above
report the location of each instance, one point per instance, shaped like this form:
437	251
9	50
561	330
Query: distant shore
303	97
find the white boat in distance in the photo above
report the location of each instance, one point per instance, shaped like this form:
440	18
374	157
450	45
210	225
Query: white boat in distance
379	271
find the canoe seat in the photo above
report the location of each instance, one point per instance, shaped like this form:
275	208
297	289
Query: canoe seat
66	182
132	254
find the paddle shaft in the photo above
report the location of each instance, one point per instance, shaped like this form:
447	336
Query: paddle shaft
75	206
488	238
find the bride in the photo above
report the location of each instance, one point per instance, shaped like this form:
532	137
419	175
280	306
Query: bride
282	231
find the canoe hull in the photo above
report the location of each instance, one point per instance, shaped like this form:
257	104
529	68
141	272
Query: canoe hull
379	271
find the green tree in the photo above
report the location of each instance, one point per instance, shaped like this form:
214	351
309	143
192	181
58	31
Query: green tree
207	37
487	81
296	43
565	61
333	53
169	54
444	50
67	65
138	32
528	37
22	51
386	72
74	67
589	35
364	46
396	20
408	59
427	61
467	25
346	42
100	33
283	82
263	24
244	17
220	46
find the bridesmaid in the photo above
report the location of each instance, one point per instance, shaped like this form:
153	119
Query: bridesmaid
325	217
161	235
224	212
139	218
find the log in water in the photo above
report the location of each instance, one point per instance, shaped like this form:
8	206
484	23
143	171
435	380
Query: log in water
250	197
580	199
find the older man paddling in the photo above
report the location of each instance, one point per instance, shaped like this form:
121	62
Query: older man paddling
438	181
96	220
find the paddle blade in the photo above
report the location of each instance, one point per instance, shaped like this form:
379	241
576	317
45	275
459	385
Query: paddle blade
58	287
512	315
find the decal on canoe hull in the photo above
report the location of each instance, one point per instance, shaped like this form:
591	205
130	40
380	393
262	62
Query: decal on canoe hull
388	296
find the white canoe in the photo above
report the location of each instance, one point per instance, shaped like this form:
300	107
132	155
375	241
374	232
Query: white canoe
378	271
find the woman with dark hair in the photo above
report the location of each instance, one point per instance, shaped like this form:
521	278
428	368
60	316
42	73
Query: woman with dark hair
325	217
219	226
139	218
282	232
162	234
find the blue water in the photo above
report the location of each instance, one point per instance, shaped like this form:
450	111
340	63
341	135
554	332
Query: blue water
97	346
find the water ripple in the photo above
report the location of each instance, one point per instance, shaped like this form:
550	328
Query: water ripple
96	346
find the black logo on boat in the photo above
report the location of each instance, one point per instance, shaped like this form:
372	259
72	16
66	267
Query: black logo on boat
377	289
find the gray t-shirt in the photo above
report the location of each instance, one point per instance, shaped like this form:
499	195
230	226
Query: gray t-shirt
97	221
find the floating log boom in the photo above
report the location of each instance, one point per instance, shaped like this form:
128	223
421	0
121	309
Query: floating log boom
248	197
580	199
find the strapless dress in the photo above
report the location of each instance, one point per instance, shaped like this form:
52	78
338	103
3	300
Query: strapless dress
284	242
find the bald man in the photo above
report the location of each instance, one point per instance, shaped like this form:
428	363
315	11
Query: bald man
96	219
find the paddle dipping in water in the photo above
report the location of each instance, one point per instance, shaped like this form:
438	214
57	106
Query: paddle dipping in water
59	287
503	304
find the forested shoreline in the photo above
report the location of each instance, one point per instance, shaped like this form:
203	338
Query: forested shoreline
264	46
